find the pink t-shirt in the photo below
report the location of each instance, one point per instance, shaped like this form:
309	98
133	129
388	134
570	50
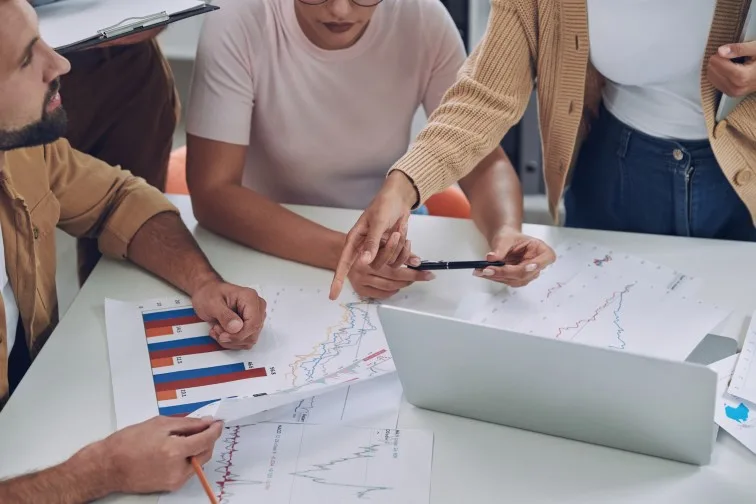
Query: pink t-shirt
323	127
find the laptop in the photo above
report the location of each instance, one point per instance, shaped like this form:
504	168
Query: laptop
596	395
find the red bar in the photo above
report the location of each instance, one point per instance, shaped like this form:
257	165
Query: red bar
211	380
159	331
172	322
190	350
376	354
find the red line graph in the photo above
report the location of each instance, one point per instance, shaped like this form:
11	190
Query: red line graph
227	462
608	301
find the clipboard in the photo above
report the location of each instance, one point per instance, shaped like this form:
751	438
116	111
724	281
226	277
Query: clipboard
748	34
61	20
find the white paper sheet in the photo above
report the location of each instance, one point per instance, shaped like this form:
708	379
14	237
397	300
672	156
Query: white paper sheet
163	361
290	463
736	416
596	296
743	383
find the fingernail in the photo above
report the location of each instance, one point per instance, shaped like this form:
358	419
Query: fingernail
488	272
477	273
531	268
490	256
415	261
225	339
235	326
366	257
725	50
430	276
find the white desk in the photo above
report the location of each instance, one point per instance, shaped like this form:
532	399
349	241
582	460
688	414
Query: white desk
65	401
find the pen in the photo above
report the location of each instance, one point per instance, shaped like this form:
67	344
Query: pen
455	265
203	480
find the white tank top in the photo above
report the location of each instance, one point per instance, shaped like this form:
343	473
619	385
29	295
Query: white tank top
651	52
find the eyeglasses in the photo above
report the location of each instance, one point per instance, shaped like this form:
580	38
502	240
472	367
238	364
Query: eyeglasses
360	3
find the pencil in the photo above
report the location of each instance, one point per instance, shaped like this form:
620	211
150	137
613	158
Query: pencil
203	480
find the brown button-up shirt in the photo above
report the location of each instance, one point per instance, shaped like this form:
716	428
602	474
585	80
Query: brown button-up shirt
55	186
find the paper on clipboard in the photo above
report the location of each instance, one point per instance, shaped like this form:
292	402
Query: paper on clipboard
68	23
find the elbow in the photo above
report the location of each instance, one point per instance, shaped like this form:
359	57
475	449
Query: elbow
203	208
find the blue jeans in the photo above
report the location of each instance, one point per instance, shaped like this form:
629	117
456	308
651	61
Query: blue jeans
625	180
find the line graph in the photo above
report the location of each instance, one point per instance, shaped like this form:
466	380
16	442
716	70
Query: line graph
225	463
581	324
553	289
361	490
355	323
279	463
620	342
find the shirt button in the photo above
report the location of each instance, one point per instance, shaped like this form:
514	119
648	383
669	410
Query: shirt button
743	177
36	232
677	154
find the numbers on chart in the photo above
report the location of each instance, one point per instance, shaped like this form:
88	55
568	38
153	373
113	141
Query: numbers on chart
182	392
250	365
177	329
272	370
159	304
178	301
179	360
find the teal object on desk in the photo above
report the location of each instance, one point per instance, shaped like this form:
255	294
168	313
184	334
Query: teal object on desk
421	210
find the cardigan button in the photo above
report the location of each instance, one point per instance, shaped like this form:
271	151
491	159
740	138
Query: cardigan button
743	177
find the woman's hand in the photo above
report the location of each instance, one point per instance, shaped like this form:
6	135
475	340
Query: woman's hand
734	78
525	256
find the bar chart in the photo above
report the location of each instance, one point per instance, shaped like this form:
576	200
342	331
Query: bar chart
189	368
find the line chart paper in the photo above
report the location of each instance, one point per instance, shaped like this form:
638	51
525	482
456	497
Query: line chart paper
164	362
600	297
736	416
743	383
278	463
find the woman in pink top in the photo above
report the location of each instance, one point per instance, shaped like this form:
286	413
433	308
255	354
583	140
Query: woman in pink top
310	102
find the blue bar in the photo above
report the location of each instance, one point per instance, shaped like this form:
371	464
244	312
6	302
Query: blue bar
164	315
182	409
198	373
188	342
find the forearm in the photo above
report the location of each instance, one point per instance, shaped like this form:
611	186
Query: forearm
251	219
83	478
166	248
495	195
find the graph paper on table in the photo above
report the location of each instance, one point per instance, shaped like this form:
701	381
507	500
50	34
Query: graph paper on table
597	296
288	463
163	360
735	415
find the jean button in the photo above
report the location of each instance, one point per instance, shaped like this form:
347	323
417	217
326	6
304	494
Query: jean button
677	154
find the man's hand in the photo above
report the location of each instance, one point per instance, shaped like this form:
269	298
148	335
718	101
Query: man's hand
734	78
379	236
236	314
386	280
526	258
154	456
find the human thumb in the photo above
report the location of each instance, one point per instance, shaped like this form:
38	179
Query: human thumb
230	321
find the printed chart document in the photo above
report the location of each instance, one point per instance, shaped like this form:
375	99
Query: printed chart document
163	360
743	383
596	296
277	463
733	414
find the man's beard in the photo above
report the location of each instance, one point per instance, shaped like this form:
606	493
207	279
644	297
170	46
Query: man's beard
48	129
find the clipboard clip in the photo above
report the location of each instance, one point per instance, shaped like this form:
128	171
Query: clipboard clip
131	23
